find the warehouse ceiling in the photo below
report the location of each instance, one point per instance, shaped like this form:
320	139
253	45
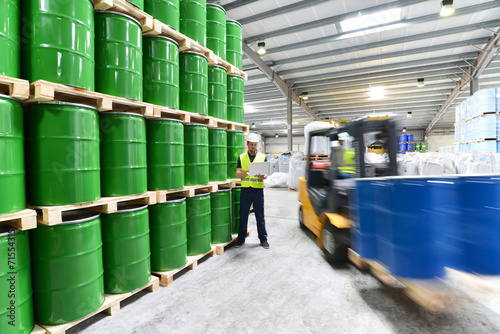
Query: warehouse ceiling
340	51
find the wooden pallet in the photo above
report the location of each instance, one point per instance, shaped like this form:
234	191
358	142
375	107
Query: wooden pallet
52	215
42	90
17	88
167	277
38	330
111	306
478	115
188	191
22	220
184	116
220	123
219	248
435	297
478	140
125	7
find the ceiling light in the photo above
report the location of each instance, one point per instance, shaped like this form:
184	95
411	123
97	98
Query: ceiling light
409	114
404	130
371	20
262	48
447	8
253	125
420	83
276	136
304	96
377	93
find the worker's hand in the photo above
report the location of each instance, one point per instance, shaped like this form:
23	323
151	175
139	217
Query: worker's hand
261	176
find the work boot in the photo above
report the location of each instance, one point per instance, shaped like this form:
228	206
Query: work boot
265	244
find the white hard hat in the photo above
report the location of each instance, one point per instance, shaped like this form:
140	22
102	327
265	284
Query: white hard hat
253	138
344	136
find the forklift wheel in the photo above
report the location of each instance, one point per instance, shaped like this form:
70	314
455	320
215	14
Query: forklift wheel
301	218
334	245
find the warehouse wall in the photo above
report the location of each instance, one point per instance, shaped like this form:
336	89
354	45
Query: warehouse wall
435	142
280	144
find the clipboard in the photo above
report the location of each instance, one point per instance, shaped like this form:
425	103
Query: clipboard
259	168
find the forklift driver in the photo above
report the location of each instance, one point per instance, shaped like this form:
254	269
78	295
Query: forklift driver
348	170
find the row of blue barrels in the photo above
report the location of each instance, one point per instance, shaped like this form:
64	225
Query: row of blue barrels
106	52
73	264
75	155
417	226
406	138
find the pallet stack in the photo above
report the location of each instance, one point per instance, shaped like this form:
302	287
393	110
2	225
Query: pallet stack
73	86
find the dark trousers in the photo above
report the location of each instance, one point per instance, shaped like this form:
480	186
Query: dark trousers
248	197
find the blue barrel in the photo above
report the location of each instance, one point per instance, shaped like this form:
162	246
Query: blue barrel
363	233
403	138
402	147
409	138
409	146
474	243
415	236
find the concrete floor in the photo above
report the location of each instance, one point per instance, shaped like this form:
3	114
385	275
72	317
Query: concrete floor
289	288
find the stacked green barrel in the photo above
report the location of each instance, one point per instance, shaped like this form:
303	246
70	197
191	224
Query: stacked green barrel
217	154
167	11
196	154
221	216
12	174
217	92
161	71
16	304
63	51
235	147
68	271
235	99
10	38
118	46
199	224
234	51
62	152
168	225
126	253
165	138
193	19
193	82
235	209
123	154
216	29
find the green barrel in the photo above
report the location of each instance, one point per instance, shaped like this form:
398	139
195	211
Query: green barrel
221	216
423	147
235	99
125	248
235	209
167	222
199	224
16	304
165	154
234	52
137	3
193	82
217	92
235	147
217	154
417	147
9	38
167	11
67	268
12	183
197	168
161	71
193	20
123	154
118	55
62	153
63	51
216	29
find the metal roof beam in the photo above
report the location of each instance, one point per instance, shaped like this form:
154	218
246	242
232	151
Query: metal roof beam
281	10
475	70
277	80
236	4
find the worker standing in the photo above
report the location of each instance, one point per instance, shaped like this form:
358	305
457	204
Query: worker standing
348	169
252	192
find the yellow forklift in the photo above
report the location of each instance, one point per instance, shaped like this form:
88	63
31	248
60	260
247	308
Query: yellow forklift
324	191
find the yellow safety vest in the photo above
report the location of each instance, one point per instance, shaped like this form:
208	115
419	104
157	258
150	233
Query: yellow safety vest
251	181
349	161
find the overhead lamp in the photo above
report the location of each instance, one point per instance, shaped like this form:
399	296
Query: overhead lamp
253	125
420	82
276	136
404	130
409	114
447	8
304	96
261	48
